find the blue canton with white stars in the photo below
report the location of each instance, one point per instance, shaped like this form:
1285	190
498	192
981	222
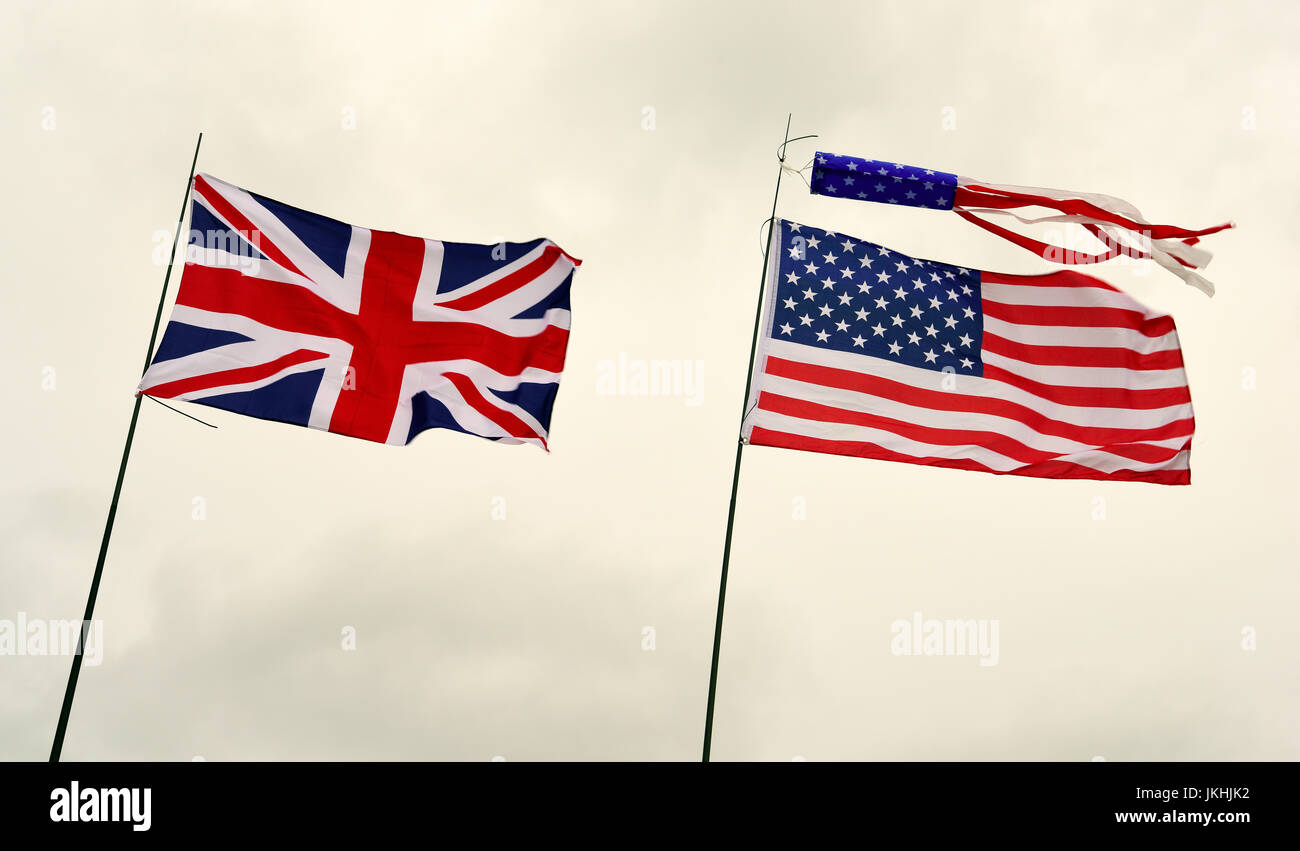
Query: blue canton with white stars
841	176
840	293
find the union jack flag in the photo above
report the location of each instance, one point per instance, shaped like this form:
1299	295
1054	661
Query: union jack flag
291	316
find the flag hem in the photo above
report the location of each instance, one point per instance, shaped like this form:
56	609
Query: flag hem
765	326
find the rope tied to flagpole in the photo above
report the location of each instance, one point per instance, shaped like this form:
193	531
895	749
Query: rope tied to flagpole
177	410
801	172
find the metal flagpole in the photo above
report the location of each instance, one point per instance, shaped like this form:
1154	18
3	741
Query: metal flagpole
740	446
59	732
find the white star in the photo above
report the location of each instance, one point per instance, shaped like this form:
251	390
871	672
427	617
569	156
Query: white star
841	325
846	273
934	276
852	166
878	329
795	251
849	245
828	284
901	266
970	314
830	258
952	295
813	242
785	328
862	314
825	309
894	348
848	181
948	274
916	312
884	252
900	293
948	349
789	303
931	331
822	336
914	338
805	320
967	363
930	356
867	261
898	320
964	340
950	322
794	227
864	288
809	294
934	302
910	195
918	284
883	277
812	269
858	341
845	298
881	303
965	290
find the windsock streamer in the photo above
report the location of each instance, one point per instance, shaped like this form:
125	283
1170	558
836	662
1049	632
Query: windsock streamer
1119	225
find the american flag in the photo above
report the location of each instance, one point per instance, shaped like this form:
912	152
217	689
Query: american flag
291	316
869	352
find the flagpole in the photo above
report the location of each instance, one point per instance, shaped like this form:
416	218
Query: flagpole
740	446
68	693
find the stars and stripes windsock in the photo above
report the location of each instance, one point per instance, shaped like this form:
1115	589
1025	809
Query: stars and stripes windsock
1115	222
288	315
868	352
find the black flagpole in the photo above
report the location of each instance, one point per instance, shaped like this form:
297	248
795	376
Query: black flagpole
740	446
59	732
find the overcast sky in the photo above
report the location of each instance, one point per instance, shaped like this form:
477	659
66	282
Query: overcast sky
512	603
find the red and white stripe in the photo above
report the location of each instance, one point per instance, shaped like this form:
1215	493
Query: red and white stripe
1119	225
1080	381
